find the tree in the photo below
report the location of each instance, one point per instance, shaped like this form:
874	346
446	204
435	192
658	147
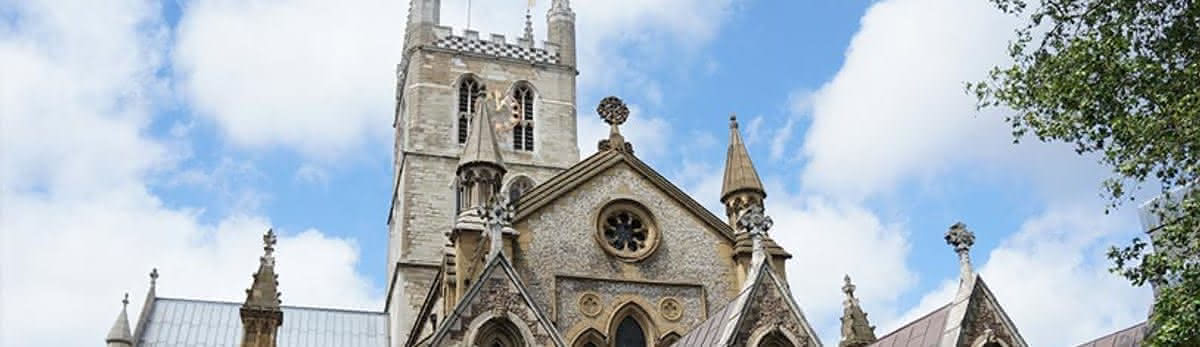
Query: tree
1120	78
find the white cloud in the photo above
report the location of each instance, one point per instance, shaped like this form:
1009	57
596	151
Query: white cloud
780	140
1053	268
80	224
897	108
828	240
315	76
897	111
649	135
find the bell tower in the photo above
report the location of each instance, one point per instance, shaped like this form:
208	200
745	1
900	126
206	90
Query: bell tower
441	72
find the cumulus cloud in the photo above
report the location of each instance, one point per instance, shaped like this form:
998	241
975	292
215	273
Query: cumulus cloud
897	108
828	240
1054	267
649	135
314	76
896	112
80	224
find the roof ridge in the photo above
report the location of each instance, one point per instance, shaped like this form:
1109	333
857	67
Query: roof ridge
209	301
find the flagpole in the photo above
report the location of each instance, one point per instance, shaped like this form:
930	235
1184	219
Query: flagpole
468	14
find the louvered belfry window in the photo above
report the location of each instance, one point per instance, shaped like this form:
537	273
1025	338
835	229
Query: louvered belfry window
523	129
466	106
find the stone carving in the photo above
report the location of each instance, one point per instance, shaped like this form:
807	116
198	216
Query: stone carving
770	311
590	305
962	239
982	321
670	309
613	110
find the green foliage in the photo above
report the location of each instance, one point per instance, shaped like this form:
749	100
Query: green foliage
1120	78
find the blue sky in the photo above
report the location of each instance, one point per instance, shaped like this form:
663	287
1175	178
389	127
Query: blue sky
172	134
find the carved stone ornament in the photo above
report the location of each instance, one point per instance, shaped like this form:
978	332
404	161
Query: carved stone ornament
613	110
590	305
670	309
501	300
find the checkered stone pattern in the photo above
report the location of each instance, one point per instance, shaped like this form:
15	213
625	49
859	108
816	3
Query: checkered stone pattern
506	50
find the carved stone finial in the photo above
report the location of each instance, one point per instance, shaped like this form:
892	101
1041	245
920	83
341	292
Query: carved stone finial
733	120
153	277
961	239
856	329
754	221
125	301
614	112
496	215
269	240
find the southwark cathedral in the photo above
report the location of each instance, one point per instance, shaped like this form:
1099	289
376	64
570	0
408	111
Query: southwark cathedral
501	235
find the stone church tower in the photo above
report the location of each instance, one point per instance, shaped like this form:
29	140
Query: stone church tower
438	78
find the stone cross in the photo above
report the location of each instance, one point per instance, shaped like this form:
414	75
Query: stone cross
961	239
496	216
756	223
614	112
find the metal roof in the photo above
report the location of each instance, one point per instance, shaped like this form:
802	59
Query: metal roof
182	322
1131	336
922	332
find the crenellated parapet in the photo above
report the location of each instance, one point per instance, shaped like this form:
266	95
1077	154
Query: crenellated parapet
496	45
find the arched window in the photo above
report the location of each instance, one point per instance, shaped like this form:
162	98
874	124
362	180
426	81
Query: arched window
523	128
775	339
630	333
499	332
518	187
467	88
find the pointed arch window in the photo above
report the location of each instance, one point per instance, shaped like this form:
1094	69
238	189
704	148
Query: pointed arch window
523	127
775	339
518	187
467	88
499	333
630	333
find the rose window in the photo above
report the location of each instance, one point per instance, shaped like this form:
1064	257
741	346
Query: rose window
626	230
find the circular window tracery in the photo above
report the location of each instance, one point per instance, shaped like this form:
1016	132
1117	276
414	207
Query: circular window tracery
626	230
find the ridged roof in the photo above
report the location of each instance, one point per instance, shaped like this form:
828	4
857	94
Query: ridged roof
739	171
180	322
481	144
1131	336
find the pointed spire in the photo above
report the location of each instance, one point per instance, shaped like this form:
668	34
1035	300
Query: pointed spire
481	146
264	292
119	335
856	330
739	170
962	239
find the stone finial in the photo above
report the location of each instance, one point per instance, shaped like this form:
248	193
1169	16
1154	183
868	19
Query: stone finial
962	239
497	215
848	287
614	112
756	223
560	5
119	335
264	291
528	24
856	329
153	277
